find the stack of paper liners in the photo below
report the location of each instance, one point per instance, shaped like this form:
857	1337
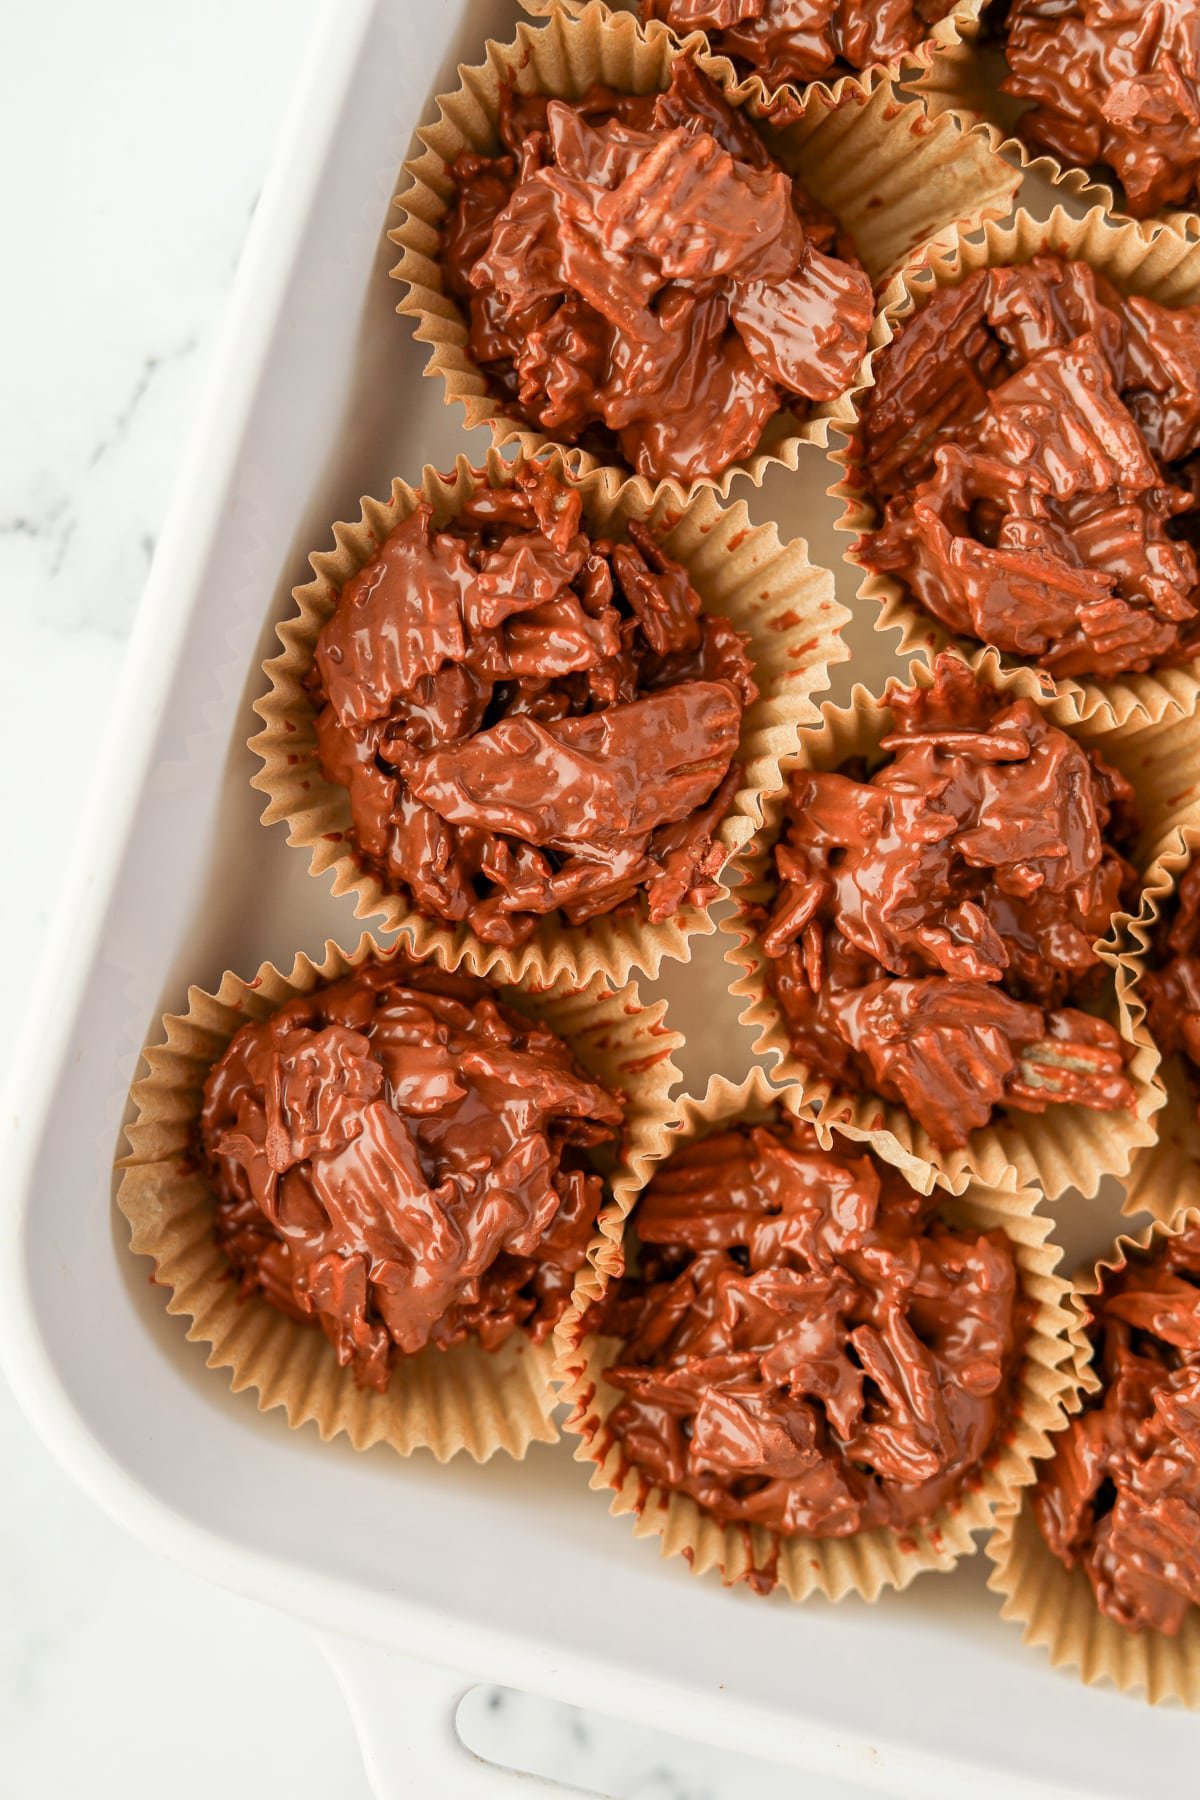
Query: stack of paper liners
445	1401
1066	1146
870	1561
1159	265
1056	1605
789	100
891	179
963	83
767	589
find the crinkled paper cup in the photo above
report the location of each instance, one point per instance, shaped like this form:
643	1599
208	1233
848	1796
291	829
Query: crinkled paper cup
788	100
890	177
870	1561
1066	1146
767	589
465	1399
1159	265
963	83
1055	1605
1165	1177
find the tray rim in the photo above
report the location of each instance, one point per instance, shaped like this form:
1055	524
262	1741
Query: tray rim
70	949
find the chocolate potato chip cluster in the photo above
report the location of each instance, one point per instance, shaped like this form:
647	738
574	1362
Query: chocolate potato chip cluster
642	278
1113	83
1031	445
1121	1496
529	721
934	928
802	40
400	1159
805	1345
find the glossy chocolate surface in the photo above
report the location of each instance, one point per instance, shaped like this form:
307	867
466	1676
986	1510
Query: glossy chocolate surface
400	1158
807	1346
1121	1496
1031	444
529	721
936	914
801	40
640	277
1114	84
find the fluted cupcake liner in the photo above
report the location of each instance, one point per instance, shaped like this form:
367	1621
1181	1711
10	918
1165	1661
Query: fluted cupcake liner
870	1561
1055	1605
788	100
767	589
1164	1178
1066	1146
961	83
891	178
464	1399
1159	265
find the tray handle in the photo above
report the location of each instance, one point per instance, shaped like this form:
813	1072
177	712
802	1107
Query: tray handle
404	1713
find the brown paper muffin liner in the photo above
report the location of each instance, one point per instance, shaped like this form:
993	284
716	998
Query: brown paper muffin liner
1164	1178
768	589
870	1561
1066	1146
1055	1605
890	177
1159	265
465	1399
962	83
789	99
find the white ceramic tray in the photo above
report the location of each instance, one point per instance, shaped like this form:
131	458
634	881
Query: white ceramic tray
421	1580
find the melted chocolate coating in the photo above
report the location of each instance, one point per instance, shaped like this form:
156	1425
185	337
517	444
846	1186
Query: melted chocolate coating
641	277
800	40
1121	1496
529	721
807	1346
933	918
400	1159
1028	443
1171	985
1113	82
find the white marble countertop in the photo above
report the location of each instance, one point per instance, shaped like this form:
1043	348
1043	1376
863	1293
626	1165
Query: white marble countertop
134	141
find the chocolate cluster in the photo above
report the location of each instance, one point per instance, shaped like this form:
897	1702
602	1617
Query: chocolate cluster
1121	1496
1031	445
936	914
802	40
807	1346
1114	83
530	721
402	1160
642	278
